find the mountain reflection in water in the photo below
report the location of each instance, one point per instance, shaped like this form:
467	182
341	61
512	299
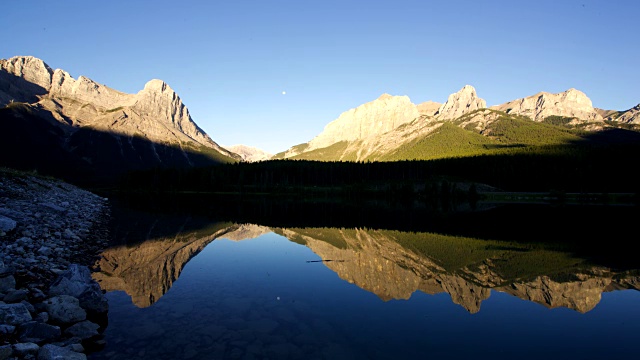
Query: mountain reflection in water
154	249
327	281
146	270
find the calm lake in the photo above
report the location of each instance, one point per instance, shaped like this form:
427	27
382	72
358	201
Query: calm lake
260	280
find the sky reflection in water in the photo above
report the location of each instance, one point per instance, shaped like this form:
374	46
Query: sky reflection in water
261	298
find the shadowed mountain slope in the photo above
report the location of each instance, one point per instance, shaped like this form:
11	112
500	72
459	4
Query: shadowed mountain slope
78	123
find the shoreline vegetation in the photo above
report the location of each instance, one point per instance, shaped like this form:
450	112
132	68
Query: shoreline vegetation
472	180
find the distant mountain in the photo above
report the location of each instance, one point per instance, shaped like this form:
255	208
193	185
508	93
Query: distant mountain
98	131
249	153
631	116
393	128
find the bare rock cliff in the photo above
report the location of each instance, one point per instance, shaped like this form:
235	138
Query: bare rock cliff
86	91
155	113
23	79
429	108
571	103
464	101
631	116
368	120
158	100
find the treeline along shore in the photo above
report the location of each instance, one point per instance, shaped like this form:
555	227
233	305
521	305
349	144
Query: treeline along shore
553	169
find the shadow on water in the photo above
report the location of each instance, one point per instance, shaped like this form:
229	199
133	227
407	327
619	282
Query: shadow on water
554	256
602	234
154	238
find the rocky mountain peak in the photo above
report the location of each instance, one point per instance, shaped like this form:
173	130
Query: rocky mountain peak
577	96
631	116
29	68
23	79
464	101
157	85
468	89
86	90
571	103
155	113
159	101
368	120
249	153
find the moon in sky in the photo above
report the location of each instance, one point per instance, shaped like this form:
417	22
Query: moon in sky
284	93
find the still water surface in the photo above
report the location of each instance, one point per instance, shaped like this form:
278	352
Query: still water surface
189	287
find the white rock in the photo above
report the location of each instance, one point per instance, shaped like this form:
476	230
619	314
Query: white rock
368	120
571	103
460	103
30	69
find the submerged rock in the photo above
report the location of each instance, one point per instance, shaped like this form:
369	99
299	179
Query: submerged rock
53	352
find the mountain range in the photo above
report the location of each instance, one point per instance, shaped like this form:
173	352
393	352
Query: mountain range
394	128
80	129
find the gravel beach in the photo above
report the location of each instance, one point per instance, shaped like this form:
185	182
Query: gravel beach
51	233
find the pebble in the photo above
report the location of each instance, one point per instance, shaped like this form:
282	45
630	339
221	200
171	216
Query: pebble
48	230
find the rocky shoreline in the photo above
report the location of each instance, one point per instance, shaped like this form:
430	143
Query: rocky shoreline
51	234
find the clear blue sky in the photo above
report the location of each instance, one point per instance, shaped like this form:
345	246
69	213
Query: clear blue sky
231	60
